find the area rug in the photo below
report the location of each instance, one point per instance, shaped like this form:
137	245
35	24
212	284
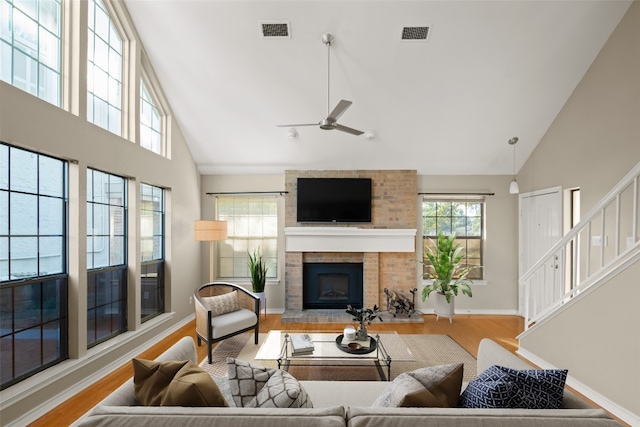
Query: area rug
427	350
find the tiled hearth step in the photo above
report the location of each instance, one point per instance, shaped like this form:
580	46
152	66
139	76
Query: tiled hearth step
339	316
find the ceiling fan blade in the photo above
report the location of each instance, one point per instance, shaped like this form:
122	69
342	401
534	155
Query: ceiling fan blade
348	130
292	126
340	108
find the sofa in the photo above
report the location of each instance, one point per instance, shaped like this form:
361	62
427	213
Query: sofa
340	404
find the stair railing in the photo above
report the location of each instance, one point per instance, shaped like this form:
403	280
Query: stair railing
602	240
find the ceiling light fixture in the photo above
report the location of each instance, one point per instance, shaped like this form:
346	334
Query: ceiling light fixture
514	188
292	133
371	134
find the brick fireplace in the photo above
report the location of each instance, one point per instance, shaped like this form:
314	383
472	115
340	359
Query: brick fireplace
385	247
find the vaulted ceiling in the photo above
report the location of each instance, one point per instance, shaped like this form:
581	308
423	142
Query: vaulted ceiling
488	71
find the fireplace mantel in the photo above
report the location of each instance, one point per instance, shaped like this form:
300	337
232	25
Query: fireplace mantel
349	239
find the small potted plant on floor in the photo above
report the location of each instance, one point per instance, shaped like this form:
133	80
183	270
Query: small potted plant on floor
364	316
448	273
258	270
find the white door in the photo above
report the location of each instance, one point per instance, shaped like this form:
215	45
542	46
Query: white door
540	228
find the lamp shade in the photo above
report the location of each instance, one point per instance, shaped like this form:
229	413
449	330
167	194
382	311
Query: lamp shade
514	188
207	231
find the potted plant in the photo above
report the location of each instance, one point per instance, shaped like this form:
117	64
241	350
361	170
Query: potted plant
258	270
448	274
363	316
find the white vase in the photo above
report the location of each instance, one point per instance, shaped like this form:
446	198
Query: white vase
444	308
263	301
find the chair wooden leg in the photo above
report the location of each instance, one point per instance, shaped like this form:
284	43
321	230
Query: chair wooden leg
199	341
209	352
256	334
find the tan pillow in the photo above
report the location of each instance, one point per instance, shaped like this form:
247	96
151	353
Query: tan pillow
435	386
175	383
222	304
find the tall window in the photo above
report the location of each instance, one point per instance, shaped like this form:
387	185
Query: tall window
33	263
106	256
152	250
150	121
462	216
252	224
104	70
30	48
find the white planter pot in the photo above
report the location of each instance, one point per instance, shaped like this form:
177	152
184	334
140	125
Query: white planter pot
263	301
443	308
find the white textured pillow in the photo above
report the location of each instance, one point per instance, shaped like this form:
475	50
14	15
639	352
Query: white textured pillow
281	391
246	380
221	304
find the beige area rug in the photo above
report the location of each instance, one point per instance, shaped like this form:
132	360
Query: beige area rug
426	350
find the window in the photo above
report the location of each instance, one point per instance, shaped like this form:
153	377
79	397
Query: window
462	216
150	122
106	256
33	263
30	48
152	250
252	224
104	70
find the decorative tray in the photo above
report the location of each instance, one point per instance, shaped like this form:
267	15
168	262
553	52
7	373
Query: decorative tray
372	347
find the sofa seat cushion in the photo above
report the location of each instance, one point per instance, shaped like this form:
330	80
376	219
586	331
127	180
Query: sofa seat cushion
232	322
434	386
501	387
174	383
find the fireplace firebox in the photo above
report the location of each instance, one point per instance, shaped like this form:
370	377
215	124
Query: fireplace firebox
332	285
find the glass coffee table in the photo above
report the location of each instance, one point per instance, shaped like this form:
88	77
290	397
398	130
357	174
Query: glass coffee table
385	348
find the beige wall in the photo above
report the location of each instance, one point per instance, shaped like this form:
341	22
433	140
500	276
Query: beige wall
498	292
498	295
592	144
28	122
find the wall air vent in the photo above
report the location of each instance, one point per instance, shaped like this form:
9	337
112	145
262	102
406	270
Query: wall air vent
415	33
275	30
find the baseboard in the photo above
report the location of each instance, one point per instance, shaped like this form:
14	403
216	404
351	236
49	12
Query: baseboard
610	406
71	366
476	311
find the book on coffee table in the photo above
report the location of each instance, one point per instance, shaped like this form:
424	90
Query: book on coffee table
301	344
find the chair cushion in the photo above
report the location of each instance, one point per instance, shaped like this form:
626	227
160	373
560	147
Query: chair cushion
230	323
222	304
174	383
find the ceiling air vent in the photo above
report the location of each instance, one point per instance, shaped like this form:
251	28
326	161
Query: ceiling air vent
415	33
275	30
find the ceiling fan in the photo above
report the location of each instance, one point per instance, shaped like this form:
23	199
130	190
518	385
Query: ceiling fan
330	122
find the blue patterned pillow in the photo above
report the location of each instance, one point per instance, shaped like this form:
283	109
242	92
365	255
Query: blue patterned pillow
491	389
500	387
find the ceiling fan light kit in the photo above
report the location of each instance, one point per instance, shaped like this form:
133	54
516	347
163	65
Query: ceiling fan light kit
330	122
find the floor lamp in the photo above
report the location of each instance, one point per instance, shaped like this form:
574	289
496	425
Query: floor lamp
210	231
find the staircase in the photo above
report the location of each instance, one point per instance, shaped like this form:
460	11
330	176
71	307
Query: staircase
602	244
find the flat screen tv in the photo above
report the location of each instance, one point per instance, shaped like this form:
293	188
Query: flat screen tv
334	200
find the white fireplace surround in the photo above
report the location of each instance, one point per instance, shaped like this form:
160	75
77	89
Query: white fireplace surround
349	239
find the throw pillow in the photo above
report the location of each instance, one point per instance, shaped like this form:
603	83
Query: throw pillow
246	380
282	390
222	304
434	386
501	387
174	383
490	389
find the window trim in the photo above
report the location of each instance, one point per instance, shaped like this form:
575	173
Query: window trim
157	104
457	198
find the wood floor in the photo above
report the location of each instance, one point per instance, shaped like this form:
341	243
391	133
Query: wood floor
466	330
